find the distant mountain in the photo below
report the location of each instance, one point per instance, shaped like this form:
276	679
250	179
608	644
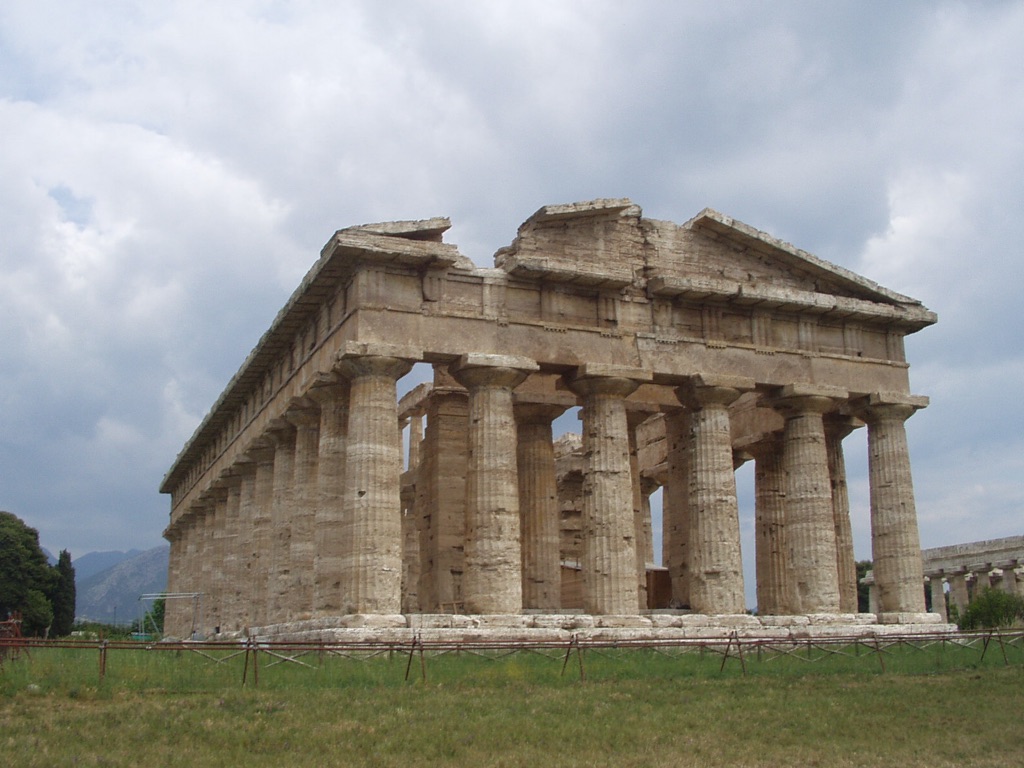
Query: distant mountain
112	594
92	563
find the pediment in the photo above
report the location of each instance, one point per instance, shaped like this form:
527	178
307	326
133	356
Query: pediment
714	257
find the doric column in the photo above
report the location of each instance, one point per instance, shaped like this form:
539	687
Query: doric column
773	577
175	614
246	512
415	438
675	506
633	420
609	529
372	523
810	519
492	580
938	594
262	452
982	578
1008	583
410	551
645	546
958	595
836	428
282	433
191	576
304	414
205	556
895	545
441	495
232	564
538	504
218	550
716	566
332	396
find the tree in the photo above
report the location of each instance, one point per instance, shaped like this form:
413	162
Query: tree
63	597
26	579
992	609
863	600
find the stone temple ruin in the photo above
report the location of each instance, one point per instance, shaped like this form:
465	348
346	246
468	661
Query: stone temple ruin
689	349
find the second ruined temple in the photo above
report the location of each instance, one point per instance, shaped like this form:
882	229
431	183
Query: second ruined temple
689	349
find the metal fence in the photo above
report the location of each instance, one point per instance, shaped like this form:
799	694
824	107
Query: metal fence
735	650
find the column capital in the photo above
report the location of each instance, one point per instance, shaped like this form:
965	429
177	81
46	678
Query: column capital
478	370
281	431
603	379
797	399
261	450
537	413
303	412
838	425
703	390
327	389
887	406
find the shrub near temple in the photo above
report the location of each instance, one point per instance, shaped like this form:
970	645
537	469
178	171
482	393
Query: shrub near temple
992	609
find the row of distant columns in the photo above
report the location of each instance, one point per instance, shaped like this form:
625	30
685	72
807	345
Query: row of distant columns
979	576
307	521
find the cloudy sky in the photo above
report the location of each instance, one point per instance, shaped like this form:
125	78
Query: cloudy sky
169	171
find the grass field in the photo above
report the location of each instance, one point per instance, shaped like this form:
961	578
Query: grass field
938	707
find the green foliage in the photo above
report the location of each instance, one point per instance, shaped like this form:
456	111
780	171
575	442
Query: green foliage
991	609
863	602
26	579
63	597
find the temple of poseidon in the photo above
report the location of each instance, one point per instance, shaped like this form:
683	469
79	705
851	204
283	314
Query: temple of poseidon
312	500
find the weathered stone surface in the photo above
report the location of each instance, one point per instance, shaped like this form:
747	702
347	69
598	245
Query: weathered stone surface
667	335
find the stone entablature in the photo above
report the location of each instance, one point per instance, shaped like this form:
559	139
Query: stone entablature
733	338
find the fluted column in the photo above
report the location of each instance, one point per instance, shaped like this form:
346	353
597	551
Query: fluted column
633	420
371	565
675	502
282	433
810	520
204	556
609	530
410	551
246	512
330	523
415	438
836	429
191	576
175	610
232	563
982	579
492	579
218	549
304	415
716	566
773	576
262	452
538	504
958	595
441	495
938	595
895	544
1009	581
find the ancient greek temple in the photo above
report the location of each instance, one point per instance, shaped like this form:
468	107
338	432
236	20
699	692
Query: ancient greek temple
311	491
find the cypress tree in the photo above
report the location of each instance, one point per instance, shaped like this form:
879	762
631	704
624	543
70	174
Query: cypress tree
64	597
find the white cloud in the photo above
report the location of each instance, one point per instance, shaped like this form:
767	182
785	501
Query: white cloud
169	172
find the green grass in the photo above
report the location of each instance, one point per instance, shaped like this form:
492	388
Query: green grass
938	707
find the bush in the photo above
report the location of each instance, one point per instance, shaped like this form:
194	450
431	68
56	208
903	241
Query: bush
991	609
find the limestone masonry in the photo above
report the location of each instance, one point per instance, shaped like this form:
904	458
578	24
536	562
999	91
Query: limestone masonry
689	349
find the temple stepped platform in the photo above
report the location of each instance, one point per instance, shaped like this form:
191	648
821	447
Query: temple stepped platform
562	628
